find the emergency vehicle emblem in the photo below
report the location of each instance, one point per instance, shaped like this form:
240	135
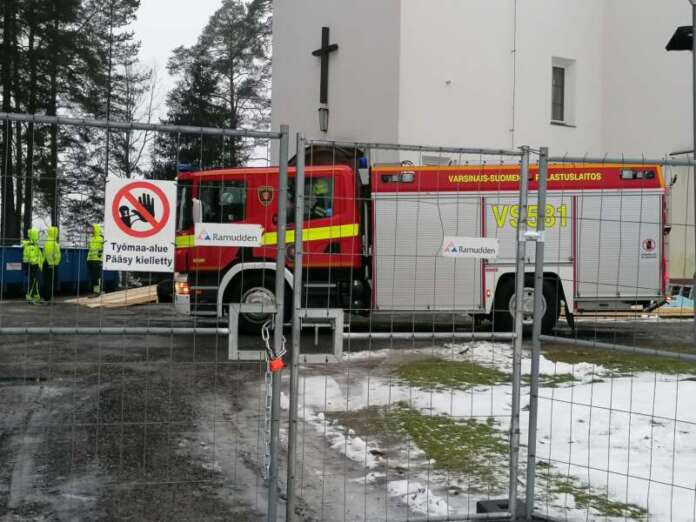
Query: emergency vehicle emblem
265	195
649	245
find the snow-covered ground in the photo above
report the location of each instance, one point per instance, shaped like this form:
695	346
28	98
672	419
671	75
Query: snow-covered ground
632	438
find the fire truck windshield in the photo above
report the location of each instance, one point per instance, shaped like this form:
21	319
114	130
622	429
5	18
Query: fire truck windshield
223	201
184	211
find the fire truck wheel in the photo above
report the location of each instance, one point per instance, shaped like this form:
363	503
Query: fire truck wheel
504	306
254	288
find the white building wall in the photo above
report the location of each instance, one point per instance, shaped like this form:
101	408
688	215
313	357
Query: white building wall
570	30
647	90
681	214
363	73
415	71
456	73
457	62
648	103
441	72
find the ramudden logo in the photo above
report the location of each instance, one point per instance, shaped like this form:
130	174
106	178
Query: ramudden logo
471	247
451	248
228	235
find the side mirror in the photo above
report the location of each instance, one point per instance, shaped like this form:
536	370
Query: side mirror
673	180
197	210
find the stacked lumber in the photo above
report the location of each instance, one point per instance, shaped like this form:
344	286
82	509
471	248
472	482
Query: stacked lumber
120	299
675	311
664	311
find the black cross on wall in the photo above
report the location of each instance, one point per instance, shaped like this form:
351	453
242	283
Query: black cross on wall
323	53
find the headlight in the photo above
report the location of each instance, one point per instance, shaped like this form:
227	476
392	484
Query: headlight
181	286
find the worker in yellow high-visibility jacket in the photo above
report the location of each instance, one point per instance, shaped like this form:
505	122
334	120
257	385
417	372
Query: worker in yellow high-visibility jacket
94	259
52	257
26	246
33	257
320	200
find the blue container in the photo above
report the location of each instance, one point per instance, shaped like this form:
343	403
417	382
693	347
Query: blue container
72	277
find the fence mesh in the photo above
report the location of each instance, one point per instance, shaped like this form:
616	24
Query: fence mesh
400	401
415	419
614	423
149	422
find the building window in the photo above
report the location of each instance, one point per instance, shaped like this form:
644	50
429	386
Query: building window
558	95
563	90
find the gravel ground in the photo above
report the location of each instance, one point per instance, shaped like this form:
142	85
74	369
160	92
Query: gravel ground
165	428
124	427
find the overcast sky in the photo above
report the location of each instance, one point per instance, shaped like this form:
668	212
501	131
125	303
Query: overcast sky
163	25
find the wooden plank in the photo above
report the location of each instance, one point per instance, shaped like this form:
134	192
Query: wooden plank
669	311
664	311
128	297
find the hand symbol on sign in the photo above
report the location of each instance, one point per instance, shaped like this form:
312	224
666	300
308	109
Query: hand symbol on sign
148	204
125	211
127	215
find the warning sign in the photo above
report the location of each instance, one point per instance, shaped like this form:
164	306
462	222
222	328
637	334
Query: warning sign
139	225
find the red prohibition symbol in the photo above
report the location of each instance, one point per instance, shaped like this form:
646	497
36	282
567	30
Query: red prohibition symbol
126	193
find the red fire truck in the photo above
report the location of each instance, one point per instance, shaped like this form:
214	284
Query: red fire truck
373	240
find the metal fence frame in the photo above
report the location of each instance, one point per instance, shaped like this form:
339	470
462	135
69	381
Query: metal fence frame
295	359
538	339
282	136
514	511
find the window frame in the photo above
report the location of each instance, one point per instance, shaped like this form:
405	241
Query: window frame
555	94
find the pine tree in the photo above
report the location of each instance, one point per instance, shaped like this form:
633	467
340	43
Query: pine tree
113	87
73	58
191	102
223	81
9	222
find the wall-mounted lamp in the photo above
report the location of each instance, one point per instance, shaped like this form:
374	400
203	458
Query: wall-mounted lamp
323	118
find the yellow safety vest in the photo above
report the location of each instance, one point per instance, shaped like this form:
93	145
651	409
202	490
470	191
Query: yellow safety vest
52	247
96	244
32	252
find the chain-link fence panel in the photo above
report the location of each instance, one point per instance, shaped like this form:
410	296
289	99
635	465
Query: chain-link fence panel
406	412
120	400
611	427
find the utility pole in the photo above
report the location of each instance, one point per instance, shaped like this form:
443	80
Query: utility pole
693	93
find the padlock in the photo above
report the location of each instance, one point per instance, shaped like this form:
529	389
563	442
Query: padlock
276	365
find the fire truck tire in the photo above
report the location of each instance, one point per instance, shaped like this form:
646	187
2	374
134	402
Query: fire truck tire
503	320
258	287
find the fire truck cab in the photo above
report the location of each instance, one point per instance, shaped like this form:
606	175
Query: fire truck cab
373	240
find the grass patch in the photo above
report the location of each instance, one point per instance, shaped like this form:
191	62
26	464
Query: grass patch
438	374
466	446
586	497
477	449
369	423
552	380
619	362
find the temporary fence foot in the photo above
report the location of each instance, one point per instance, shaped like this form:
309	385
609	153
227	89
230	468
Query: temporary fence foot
500	505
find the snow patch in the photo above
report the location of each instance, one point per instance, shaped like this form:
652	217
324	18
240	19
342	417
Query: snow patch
636	433
340	439
417	497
